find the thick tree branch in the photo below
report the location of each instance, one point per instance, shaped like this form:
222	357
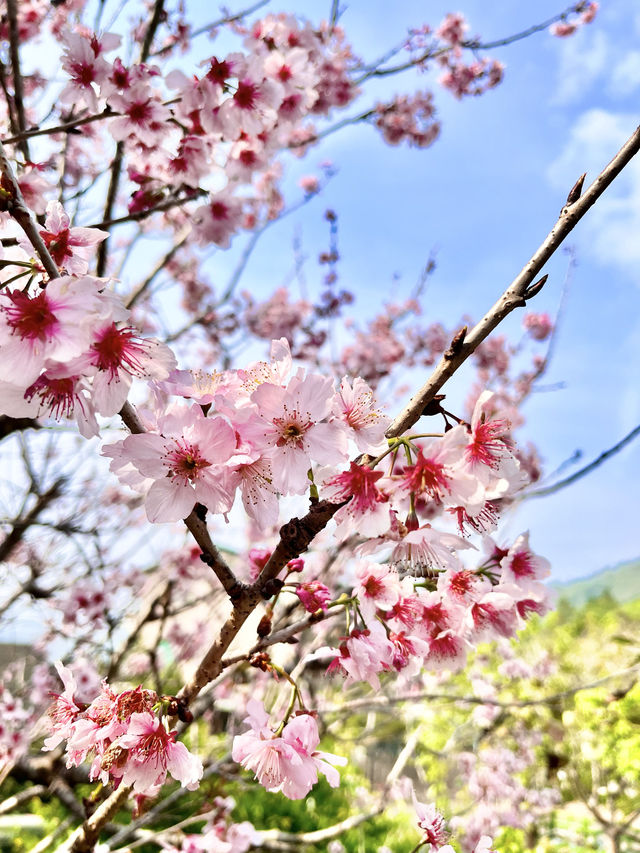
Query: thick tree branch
59	128
83	840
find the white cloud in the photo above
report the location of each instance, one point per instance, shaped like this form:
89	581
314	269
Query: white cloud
583	58
625	75
611	229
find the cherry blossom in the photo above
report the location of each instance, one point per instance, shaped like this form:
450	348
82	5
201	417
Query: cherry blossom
54	325
70	248
288	763
186	463
153	752
288	426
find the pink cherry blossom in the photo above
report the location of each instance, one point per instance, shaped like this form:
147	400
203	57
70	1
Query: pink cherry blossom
428	548
289	763
115	356
366	511
364	654
64	711
55	324
153	752
432	824
186	463
288	427
87	68
522	567
70	248
313	595
378	586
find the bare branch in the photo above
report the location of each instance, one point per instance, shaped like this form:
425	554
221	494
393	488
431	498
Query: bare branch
18	94
142	288
374	70
226	19
513	297
21	525
84	838
379	702
59	128
582	472
21	798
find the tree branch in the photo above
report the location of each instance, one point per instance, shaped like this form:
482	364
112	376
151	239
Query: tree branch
515	295
14	50
582	472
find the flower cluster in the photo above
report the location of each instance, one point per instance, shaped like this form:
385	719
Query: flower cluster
263	431
584	13
66	348
127	742
286	760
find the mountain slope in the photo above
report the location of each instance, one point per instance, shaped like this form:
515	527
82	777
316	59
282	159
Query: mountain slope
622	581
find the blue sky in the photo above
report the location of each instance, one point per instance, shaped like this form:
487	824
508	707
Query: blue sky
484	196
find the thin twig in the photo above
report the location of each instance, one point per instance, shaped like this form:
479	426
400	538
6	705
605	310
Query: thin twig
142	288
380	702
582	472
227	19
118	157
59	128
22	215
375	70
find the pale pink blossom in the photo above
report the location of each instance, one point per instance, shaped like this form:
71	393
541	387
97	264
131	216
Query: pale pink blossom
539	326
562	29
428	548
378	586
356	408
144	116
453	28
115	356
83	62
287	427
54	394
217	221
367	510
522	567
364	654
432	824
64	712
186	463
289	763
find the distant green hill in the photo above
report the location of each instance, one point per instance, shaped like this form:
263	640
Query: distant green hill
622	581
